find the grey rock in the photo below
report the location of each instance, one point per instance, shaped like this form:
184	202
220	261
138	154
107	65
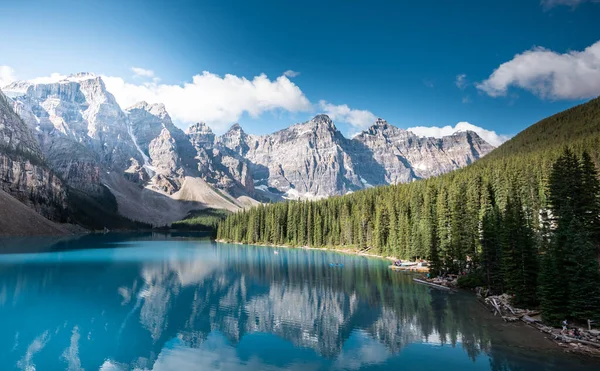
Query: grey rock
136	173
201	135
168	148
81	128
23	170
76	126
314	160
405	156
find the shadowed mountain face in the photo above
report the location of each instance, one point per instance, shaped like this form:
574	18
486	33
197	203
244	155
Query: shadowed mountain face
24	174
138	153
160	303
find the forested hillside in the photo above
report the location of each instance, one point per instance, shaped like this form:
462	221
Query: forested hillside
449	219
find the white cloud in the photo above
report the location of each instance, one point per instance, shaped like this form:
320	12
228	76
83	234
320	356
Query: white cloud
488	135
142	72
216	100
572	75
7	75
291	73
53	78
361	119
466	99
547	4
461	81
369	352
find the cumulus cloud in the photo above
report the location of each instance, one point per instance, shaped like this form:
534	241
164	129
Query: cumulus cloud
7	75
547	4
212	98
360	119
488	135
54	77
222	100
461	81
291	73
142	72
547	74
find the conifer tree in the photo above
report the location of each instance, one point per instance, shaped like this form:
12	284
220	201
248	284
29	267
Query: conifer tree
584	295
491	245
590	198
519	255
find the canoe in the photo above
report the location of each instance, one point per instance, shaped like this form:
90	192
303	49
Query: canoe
441	287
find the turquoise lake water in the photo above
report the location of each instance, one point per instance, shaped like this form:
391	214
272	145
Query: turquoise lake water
168	302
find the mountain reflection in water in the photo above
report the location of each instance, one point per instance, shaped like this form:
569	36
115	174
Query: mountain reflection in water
155	302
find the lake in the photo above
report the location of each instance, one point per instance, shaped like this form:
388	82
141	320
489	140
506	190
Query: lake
183	302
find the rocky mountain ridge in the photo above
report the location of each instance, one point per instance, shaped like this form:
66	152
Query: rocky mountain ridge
24	173
314	160
138	153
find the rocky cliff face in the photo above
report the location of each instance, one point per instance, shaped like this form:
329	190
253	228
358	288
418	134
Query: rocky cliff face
168	153
222	161
23	172
314	160
305	160
403	156
77	127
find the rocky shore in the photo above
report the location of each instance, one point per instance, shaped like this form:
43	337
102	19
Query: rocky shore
574	340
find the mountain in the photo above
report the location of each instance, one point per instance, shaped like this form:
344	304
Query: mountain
441	216
80	127
136	160
405	156
314	160
24	174
18	219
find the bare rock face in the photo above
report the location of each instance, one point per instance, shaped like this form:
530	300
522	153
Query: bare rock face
314	160
76	126
167	185
236	140
23	172
136	173
305	160
166	149
222	166
81	128
405	156
201	136
165	158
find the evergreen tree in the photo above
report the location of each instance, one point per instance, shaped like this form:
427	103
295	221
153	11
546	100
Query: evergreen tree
519	255
552	290
590	198
450	217
491	246
584	295
573	196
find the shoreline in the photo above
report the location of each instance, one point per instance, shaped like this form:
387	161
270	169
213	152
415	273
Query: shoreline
568	345
343	251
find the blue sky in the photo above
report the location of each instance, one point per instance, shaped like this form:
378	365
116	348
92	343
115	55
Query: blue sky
391	59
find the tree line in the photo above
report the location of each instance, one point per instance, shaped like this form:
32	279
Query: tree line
523	220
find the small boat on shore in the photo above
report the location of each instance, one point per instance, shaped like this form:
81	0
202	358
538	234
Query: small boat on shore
437	286
421	267
409	269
